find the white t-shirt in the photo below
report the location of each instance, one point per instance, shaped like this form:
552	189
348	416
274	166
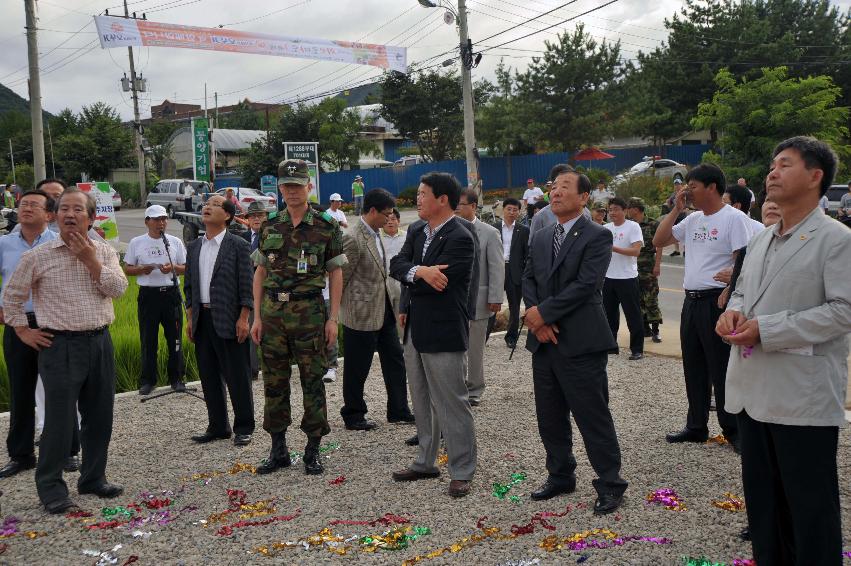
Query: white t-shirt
337	215
601	195
533	195
624	266
144	250
824	204
756	226
711	241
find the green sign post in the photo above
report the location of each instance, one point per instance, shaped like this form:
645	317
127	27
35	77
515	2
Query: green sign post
307	151
201	149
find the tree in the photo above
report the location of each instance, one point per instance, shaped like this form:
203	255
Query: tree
340	135
752	116
426	107
568	92
99	144
500	126
242	117
159	135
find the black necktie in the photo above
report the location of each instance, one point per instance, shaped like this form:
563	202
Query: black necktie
255	240
558	238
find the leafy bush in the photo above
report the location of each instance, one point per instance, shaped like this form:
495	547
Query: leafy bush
407	197
128	190
654	191
596	175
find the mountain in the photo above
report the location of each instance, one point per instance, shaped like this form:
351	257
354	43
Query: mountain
10	101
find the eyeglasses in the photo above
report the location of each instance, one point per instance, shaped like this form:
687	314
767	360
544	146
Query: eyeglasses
31	205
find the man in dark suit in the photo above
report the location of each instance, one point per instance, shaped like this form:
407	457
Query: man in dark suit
256	215
436	265
569	338
217	287
515	244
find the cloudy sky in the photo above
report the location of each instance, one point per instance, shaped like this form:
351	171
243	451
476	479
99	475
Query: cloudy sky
76	71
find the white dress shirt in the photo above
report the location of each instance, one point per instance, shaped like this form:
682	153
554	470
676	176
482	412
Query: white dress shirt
377	238
207	261
507	234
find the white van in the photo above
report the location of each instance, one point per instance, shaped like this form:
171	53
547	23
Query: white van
172	194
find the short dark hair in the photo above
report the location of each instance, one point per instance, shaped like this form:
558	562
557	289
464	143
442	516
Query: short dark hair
708	173
540	205
583	182
379	199
229	207
511	201
739	195
558	169
443	184
816	155
49	204
471	195
396	213
51	180
617	201
91	203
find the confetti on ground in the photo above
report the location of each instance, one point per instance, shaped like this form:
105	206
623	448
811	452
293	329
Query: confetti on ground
719	439
397	538
501	490
595	538
667	498
730	503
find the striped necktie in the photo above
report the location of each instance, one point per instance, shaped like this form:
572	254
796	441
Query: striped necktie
558	238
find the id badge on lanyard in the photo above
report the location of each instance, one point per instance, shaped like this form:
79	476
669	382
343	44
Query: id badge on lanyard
302	264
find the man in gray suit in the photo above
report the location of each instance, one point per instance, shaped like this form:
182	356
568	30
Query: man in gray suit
788	321
569	338
488	294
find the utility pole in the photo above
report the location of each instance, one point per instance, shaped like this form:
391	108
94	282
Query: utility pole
12	157
467	94
39	167
136	84
52	161
216	98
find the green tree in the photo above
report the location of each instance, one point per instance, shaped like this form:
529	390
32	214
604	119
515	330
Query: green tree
15	126
242	117
752	116
340	140
159	134
24	176
100	143
500	124
568	92
426	107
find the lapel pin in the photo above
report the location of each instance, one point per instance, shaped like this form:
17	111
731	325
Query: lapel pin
803	237
575	234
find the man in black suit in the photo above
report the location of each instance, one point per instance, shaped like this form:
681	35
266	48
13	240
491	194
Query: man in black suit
515	244
569	338
436	264
256	215
217	287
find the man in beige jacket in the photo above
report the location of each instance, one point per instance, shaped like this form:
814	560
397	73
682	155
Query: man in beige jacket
788	321
369	323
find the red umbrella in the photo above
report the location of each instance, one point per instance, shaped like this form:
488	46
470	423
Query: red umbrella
592	154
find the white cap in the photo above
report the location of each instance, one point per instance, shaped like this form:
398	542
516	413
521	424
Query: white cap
336	197
155	211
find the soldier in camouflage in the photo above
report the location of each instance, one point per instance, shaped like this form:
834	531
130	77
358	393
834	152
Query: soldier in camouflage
649	267
298	248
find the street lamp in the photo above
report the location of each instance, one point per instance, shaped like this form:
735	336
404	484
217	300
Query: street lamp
468	61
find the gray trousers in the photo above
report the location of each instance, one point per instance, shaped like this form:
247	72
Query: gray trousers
440	403
75	370
476	358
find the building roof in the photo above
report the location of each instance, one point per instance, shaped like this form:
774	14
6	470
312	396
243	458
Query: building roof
234	140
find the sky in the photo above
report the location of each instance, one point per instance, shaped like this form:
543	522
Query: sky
77	72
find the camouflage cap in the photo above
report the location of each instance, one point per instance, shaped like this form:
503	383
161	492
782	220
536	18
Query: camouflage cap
255	208
636	202
600	205
293	172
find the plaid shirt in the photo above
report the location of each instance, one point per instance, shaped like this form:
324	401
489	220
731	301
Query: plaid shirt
430	234
63	293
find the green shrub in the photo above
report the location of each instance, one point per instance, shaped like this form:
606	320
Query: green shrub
127	190
654	191
596	175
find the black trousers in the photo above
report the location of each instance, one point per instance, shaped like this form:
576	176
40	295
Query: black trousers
223	362
625	293
513	293
359	347
705	358
22	368
160	308
578	385
77	371
792	492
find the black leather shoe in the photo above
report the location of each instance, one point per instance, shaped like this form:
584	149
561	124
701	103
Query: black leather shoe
607	503
146	389
13	467
413	441
279	455
745	535
475	401
178	386
550	490
241	439
657	339
207	437
363	424
72	464
312	465
686	435
104	490
636	356
61	506
409	418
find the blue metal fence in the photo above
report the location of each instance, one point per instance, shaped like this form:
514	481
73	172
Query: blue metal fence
494	171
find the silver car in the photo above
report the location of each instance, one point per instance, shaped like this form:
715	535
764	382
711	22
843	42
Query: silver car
172	194
655	167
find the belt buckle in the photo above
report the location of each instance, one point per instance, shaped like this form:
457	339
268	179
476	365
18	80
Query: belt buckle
283	297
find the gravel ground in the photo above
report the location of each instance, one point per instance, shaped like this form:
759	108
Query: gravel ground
151	452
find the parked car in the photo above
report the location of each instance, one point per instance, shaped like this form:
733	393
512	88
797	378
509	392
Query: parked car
654	166
116	198
409	160
834	196
246	196
172	193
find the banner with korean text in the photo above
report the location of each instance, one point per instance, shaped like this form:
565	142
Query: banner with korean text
200	149
105	215
126	32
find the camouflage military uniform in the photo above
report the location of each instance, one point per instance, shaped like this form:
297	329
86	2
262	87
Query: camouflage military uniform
294	329
647	282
